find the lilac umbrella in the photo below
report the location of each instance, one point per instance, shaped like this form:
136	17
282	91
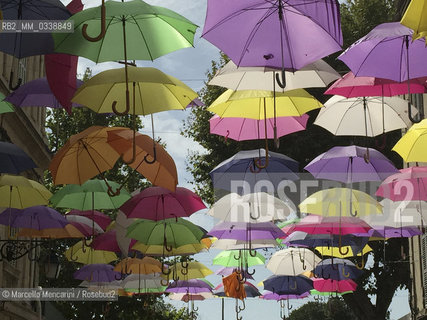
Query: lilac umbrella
268	295
36	93
246	231
337	269
241	129
97	273
349	164
282	34
393	232
37	217
193	286
226	271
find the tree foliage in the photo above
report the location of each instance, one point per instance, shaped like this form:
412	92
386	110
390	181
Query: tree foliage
334	309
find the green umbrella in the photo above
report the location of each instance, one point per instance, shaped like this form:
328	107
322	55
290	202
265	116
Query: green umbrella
5	106
91	195
152	32
314	292
238	258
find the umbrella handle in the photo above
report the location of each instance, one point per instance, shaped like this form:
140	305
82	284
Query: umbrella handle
294	287
154	157
18	84
250	273
302	260
254	168
252	252
103	29
163	283
241	278
281	82
167	272
345	274
366	156
410	115
289	306
362	265
342	252
120	277
238	257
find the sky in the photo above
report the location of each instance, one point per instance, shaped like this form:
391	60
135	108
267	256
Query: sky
190	66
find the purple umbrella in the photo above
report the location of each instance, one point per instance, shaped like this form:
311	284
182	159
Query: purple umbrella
246	231
283	34
337	269
349	164
37	217
13	159
36	93
226	271
392	232
97	273
193	286
296	285
268	295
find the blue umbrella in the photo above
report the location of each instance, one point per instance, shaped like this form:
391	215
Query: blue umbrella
337	269
13	159
296	285
240	172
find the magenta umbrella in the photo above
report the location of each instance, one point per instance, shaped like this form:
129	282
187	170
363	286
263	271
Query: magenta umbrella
350	86
100	218
407	185
157	203
268	295
330	285
61	69
106	241
241	129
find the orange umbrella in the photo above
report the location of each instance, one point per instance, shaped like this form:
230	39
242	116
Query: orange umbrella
146	265
233	288
151	159
69	231
84	156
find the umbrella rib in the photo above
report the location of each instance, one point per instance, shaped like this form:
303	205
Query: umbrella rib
143	37
103	38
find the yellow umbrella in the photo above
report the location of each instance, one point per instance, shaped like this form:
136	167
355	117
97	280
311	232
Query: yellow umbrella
412	146
335	252
258	104
146	265
19	192
86	255
154	91
69	231
159	250
415	18
340	202
190	270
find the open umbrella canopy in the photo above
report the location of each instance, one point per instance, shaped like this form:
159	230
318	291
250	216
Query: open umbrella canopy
411	147
13	159
84	156
347	164
190	296
151	159
415	18
337	269
331	285
151	31
240	174
190	286
106	241
258	104
146	265
345	251
295	285
143	284
258	31
154	91
19	192
97	272
86	255
268	295
85	221
69	231
340	202
100	218
190	270
229	288
370	116
250	208
316	74
246	231
5	107
157	203
233	244
91	195
237	258
292	261
37	217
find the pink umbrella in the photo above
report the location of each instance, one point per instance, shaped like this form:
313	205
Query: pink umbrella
314	224
61	69
240	129
100	218
157	203
106	241
84	229
330	285
409	184
86	221
350	86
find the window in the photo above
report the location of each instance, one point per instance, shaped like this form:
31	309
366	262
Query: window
22	69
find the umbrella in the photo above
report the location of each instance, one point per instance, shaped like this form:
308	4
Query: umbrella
85	229
5	106
292	261
240	173
193	286
91	195
146	265
415	18
367	117
106	241
337	269
36	217
144	284
160	250
226	271
100	218
190	270
13	159
259	104
84	156
85	221
250	291
295	285
186	297
238	258
246	231
241	129
328	294
346	251
250	208
268	295
120	226
37	93
386	52
350	86
86	255
386	232
258	32
407	185
97	272
411	146
340	202
157	203
149	158
330	285
316	74
231	244
19	192
348	165
69	231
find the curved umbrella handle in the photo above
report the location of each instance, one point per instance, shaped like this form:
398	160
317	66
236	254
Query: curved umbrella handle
410	115
164	282
241	278
127	106
289	306
302	260
252	252
294	287
250	273
18	84
103	29
238	257
341	250
167	272
154	157
258	164
362	265
281	82
345	274
253	166
119	277
366	155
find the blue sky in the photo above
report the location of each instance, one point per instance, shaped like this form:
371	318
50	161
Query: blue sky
190	66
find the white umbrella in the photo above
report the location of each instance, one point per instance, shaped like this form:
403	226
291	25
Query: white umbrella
292	261
143	283
232	244
84	220
121	225
347	117
252	207
316	74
